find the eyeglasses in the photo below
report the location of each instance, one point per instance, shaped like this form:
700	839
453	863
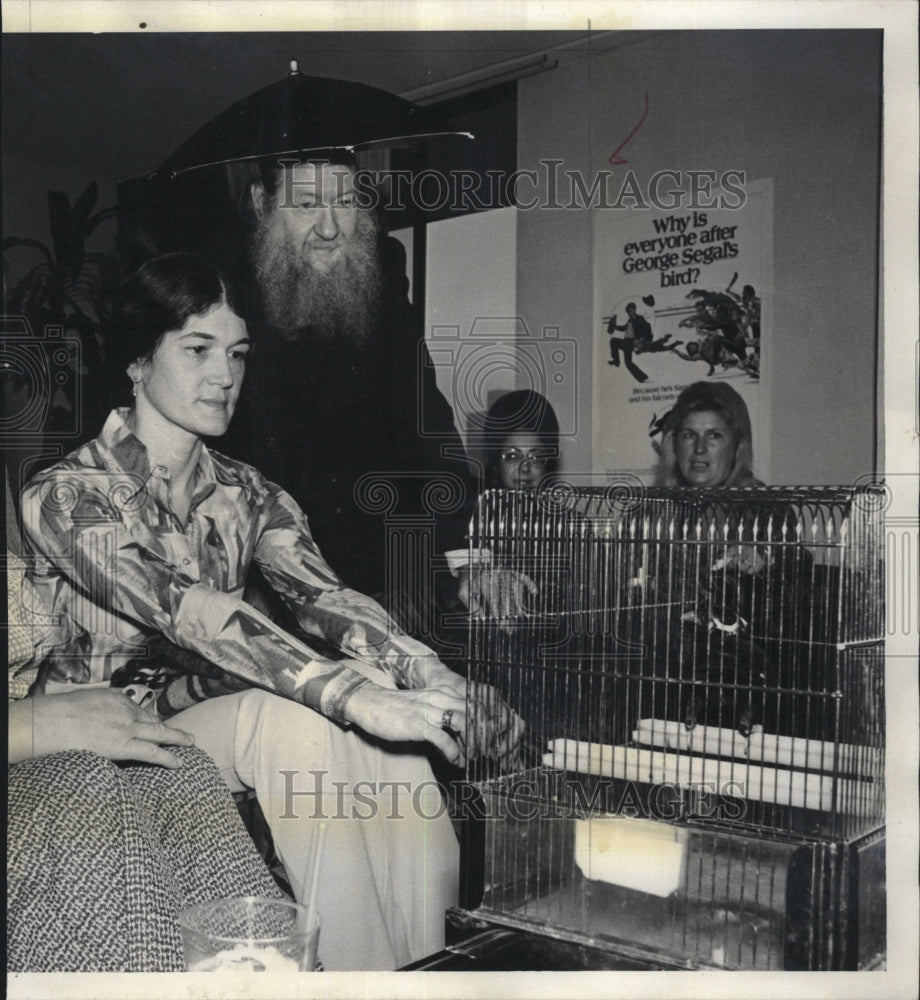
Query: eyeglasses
515	457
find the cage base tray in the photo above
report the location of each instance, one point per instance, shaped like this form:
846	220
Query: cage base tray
612	916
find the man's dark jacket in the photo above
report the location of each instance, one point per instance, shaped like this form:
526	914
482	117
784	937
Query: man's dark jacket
320	415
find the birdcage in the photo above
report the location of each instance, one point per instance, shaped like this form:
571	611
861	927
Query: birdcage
701	781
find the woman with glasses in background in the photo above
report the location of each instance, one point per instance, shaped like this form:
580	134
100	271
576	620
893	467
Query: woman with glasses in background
521	434
521	438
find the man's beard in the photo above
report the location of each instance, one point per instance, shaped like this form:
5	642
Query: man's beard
295	296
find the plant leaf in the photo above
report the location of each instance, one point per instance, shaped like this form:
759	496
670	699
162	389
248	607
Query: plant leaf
28	298
83	206
11	242
59	215
103	215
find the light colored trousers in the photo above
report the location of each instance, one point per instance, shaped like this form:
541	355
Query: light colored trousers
390	863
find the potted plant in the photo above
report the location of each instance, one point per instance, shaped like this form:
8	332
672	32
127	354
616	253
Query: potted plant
53	328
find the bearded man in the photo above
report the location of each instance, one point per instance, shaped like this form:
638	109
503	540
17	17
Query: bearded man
341	384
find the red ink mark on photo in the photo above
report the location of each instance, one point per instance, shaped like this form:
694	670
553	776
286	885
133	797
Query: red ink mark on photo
615	158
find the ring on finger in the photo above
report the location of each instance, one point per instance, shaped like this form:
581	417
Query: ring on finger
447	720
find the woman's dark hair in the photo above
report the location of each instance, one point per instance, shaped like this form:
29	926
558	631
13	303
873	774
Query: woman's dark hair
522	411
709	397
160	296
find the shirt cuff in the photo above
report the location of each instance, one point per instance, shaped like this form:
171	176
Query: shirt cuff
336	693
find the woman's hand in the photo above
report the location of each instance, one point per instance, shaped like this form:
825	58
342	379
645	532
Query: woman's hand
494	593
495	728
106	722
410	715
491	728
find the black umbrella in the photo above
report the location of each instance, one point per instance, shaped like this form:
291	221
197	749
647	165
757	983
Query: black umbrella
304	114
196	200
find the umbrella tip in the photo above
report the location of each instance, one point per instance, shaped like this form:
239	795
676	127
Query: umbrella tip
295	69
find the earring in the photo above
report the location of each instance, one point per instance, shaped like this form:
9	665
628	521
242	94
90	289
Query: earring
135	379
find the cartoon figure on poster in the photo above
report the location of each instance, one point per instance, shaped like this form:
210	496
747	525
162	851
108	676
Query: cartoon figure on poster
637	338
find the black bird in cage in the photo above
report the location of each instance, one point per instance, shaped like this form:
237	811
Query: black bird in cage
727	666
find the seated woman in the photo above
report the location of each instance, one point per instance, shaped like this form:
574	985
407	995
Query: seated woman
521	434
707	439
521	437
145	532
736	597
528	585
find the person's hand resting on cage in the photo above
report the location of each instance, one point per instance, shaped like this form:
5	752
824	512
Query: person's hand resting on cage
461	723
494	592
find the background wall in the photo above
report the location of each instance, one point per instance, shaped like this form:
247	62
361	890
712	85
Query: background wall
801	107
471	305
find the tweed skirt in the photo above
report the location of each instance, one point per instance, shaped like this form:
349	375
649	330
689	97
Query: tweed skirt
102	858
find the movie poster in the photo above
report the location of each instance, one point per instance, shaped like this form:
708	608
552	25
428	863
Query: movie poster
680	296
